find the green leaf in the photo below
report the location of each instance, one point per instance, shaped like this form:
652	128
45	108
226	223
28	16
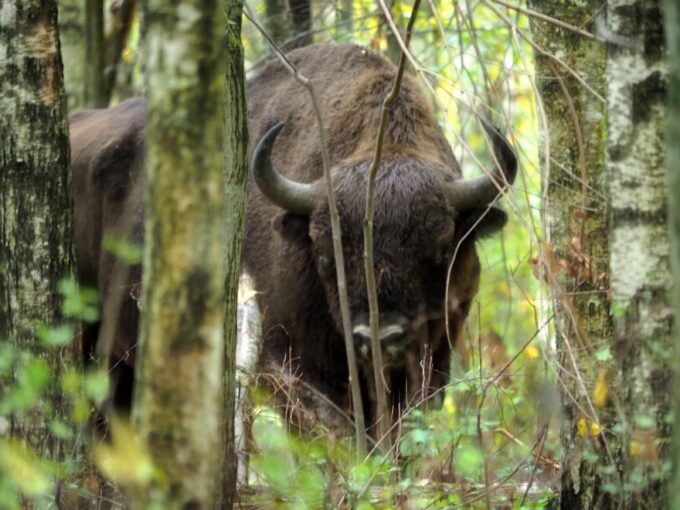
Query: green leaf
55	336
127	252
603	354
60	429
469	459
96	385
79	302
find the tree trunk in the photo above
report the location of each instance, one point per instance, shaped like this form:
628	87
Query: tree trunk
576	258
71	34
179	400
236	179
605	253
35	195
119	26
672	18
639	248
301	17
289	23
344	13
95	93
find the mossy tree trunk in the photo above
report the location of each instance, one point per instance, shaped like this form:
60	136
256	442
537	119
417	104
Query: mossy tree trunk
35	194
606	253
179	402
576	256
672	23
236	180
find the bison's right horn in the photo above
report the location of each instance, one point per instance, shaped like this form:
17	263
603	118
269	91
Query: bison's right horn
292	196
466	194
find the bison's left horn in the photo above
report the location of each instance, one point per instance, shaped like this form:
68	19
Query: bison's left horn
468	194
293	196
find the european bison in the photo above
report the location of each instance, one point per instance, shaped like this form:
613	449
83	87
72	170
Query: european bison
425	211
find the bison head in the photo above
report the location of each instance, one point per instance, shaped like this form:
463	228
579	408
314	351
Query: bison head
425	218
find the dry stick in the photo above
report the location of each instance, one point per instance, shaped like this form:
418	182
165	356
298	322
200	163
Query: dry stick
359	422
368	235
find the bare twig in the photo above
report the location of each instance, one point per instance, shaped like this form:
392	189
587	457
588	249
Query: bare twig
544	52
549	19
359	422
371	289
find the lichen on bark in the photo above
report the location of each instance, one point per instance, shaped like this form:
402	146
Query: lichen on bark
35	198
639	247
576	256
619	338
179	389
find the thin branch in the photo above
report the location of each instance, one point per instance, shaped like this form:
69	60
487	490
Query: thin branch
359	421
371	288
544	52
549	19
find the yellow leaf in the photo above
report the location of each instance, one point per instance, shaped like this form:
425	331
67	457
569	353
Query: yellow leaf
635	449
595	428
582	427
600	391
24	468
125	460
449	404
532	352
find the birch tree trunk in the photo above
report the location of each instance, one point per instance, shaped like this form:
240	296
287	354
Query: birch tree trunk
35	194
236	179
607	250
639	249
672	23
179	400
575	225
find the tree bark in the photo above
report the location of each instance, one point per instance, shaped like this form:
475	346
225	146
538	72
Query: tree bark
672	24
576	260
179	401
119	26
606	255
301	17
95	93
639	249
71	34
35	194
289	23
236	180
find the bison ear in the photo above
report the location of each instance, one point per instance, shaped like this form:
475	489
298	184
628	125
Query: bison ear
483	221
292	227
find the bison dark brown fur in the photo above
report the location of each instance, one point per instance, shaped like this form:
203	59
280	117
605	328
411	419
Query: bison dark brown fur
418	225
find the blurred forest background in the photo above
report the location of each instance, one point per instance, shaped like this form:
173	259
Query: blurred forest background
539	405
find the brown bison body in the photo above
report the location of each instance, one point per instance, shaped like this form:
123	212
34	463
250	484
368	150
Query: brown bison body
425	212
107	158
